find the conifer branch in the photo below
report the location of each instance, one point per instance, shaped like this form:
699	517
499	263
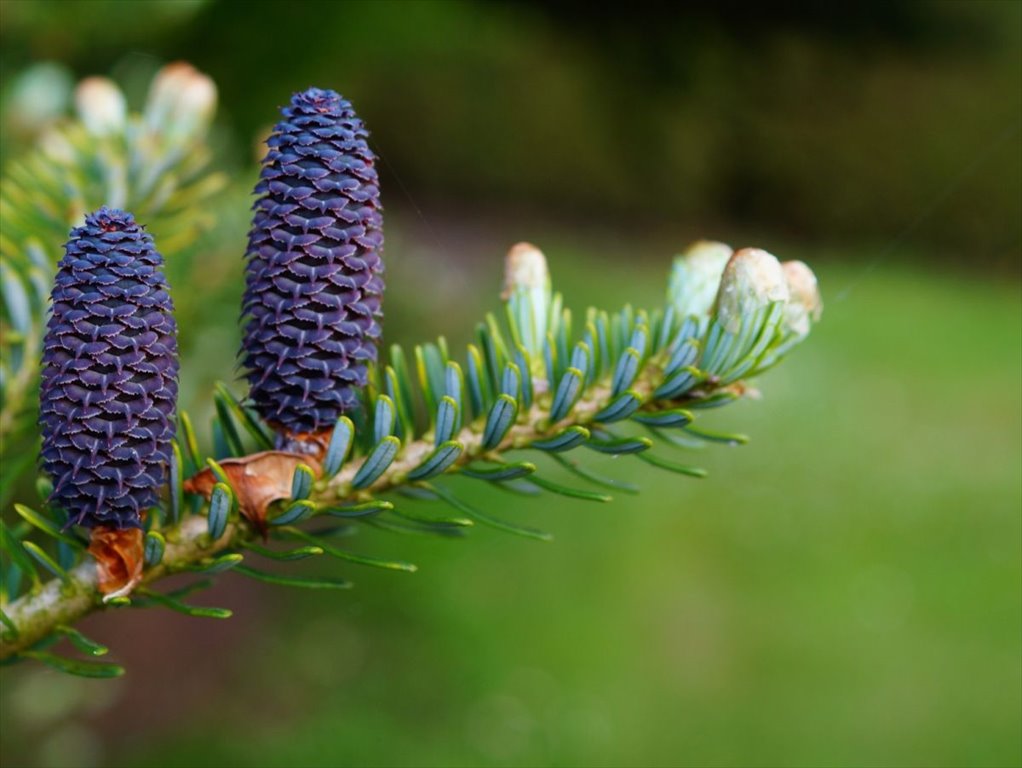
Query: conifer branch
330	430
37	614
189	545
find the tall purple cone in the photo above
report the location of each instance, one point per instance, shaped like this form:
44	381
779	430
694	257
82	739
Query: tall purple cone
314	276
109	381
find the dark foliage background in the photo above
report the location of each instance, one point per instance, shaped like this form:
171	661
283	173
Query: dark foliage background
691	112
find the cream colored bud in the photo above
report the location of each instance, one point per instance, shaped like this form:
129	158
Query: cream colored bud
199	97
525	268
100	105
695	278
753	279
181	101
805	305
527	291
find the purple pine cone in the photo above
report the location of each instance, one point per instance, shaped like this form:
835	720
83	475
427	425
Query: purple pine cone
109	380
314	276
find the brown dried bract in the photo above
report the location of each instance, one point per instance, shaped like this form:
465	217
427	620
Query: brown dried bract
257	481
312	444
119	557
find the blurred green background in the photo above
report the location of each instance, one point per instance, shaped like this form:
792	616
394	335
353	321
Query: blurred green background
844	590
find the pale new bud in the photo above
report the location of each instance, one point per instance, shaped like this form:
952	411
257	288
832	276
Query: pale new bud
805	305
100	105
525	268
527	290
695	278
753	279
181	101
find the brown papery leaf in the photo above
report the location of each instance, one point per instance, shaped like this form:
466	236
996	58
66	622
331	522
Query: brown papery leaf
312	444
119	557
257	480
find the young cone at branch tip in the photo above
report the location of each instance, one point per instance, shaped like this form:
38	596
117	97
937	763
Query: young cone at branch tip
109	380
100	106
181	102
695	278
314	282
108	394
805	305
752	280
527	289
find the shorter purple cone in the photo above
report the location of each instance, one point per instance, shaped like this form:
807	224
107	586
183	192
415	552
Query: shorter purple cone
314	282
109	380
